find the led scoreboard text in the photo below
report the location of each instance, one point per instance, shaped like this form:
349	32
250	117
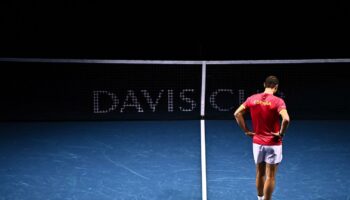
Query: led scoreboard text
106	101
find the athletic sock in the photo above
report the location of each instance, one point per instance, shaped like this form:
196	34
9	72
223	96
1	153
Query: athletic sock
260	198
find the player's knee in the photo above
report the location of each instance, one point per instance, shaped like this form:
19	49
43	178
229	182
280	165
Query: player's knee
270	176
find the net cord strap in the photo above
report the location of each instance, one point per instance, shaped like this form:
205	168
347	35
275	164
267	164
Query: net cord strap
203	152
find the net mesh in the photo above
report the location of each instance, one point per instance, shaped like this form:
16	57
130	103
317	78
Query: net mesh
97	91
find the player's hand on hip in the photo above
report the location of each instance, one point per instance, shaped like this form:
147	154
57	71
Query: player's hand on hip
278	134
250	134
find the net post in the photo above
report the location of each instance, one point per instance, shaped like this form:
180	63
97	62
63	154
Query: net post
203	153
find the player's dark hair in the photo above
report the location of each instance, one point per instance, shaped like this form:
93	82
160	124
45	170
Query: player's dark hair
271	81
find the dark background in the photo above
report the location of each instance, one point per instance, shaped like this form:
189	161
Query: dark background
177	31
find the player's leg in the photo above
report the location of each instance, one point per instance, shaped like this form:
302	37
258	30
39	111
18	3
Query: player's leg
260	178
273	158
271	170
259	155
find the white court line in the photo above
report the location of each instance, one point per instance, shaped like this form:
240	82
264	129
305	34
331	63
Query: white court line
179	62
203	161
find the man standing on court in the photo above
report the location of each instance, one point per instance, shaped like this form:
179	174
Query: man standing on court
267	134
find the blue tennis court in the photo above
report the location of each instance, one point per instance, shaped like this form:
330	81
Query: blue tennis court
161	160
100	160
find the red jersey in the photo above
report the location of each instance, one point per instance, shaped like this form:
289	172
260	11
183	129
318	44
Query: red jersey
264	110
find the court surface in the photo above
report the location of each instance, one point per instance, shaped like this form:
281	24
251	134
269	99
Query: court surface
160	160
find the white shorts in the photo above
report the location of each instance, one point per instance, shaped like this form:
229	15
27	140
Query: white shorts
268	154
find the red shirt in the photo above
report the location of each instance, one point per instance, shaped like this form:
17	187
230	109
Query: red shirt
264	110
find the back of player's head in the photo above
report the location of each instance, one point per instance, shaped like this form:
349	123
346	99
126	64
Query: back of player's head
271	82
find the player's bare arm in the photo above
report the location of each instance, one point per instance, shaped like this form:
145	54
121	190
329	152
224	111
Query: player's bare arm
285	121
284	124
239	115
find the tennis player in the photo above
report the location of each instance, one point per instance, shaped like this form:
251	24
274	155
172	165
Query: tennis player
265	110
